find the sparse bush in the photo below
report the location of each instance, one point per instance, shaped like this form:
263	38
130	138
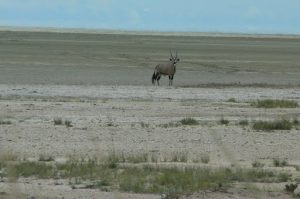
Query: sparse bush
189	121
279	163
269	103
28	169
46	158
257	164
112	165
179	156
224	121
243	122
296	121
81	169
68	123
58	121
110	124
8	156
291	187
170	124
98	184
144	125
138	158
5	122
284	177
154	157
232	99
273	125
113	160
205	158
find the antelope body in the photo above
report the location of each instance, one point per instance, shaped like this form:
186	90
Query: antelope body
165	69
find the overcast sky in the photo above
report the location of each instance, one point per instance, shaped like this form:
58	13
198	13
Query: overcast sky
246	16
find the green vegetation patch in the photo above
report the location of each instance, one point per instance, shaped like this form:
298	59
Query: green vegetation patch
179	156
257	164
232	99
144	179
244	122
68	123
28	169
184	121
5	122
185	181
270	103
272	125
189	121
224	121
46	158
280	162
137	158
58	121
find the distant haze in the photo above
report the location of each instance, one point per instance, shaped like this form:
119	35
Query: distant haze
234	16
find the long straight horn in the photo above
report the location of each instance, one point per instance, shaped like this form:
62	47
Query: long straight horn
171	54
176	55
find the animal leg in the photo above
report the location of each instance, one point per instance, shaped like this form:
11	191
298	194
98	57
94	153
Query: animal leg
153	78
157	79
171	80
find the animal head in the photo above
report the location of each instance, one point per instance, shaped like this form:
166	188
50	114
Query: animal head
174	59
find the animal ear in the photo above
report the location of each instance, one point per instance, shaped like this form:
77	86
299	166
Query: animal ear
178	59
170	59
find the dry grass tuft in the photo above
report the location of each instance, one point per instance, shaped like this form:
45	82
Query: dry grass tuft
270	103
272	125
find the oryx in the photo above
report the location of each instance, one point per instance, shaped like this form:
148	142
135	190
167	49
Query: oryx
166	69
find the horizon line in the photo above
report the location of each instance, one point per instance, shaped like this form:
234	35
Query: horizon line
143	32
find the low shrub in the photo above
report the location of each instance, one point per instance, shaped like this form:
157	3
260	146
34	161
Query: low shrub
68	123
257	164
279	162
224	121
205	159
189	121
232	100
5	122
272	125
46	158
243	122
58	121
270	103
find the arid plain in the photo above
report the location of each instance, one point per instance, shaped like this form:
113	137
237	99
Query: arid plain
67	95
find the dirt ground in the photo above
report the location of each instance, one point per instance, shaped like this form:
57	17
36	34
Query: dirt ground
116	59
101	83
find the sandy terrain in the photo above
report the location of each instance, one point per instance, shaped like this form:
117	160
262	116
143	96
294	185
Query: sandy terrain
113	59
32	110
101	83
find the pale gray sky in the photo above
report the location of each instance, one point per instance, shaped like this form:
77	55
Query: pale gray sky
247	16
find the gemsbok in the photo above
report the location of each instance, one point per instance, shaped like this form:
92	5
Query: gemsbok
166	69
